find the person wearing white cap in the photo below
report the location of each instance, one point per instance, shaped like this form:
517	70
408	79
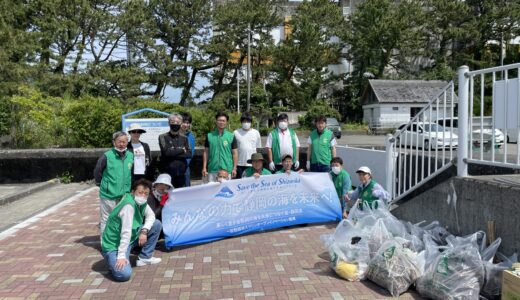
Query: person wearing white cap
141	151
160	193
368	192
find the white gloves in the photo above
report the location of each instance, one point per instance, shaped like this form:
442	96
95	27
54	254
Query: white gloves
271	166
296	164
308	165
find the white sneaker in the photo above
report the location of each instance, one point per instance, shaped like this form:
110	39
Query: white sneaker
147	261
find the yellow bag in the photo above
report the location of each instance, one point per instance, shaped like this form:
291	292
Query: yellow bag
347	270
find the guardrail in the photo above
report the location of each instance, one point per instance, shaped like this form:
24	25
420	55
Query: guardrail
421	149
502	85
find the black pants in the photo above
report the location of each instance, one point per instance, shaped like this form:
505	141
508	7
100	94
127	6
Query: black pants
178	181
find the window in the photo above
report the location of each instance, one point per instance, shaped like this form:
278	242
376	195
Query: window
395	108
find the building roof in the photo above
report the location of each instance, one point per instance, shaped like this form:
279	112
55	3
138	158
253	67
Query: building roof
404	91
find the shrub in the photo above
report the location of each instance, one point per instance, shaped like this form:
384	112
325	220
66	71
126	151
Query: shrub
320	108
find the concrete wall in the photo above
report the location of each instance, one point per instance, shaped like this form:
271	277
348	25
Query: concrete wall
464	205
25	166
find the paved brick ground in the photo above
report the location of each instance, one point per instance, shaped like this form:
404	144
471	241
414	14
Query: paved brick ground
57	257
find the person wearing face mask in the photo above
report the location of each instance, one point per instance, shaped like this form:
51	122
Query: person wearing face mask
280	142
141	151
186	130
342	182
113	175
132	223
175	149
322	147
160	194
248	140
222	176
368	191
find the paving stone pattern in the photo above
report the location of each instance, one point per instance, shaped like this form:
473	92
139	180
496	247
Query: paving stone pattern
57	257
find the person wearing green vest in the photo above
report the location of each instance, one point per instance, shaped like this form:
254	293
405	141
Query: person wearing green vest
369	190
132	223
342	182
287	163
220	151
280	142
257	166
113	175
322	147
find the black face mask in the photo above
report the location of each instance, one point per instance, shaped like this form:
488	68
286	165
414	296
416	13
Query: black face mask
175	127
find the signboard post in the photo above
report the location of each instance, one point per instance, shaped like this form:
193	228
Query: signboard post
153	126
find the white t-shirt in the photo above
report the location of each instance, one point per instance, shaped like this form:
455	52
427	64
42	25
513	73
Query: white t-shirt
139	159
247	142
285	142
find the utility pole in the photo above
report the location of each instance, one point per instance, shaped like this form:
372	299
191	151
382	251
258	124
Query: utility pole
248	66
238	88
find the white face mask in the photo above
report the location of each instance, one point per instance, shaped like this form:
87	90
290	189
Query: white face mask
222	180
336	170
246	126
121	150
157	194
140	200
282	125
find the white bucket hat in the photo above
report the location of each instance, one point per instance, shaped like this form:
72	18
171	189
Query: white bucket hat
164	179
136	127
364	169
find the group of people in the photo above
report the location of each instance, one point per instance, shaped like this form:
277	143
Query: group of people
130	205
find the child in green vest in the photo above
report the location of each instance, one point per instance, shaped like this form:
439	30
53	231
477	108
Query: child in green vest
257	166
287	164
342	182
132	223
369	190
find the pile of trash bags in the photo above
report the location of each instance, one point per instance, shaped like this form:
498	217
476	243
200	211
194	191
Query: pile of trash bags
373	244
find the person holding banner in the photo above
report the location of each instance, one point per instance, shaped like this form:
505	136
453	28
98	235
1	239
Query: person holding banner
248	140
257	166
287	164
280	142
369	190
186	130
342	182
220	150
113	175
132	223
175	149
160	194
322	147
142	154
222	176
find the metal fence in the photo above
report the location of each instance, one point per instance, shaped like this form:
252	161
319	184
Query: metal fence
422	148
495	92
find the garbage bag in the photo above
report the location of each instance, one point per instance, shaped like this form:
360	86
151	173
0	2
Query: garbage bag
348	250
378	235
393	267
455	273
492	287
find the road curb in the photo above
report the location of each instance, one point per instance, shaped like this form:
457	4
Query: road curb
31	190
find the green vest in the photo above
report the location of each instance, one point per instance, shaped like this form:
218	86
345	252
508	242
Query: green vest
220	152
117	176
321	147
282	171
338	182
250	171
366	195
275	146
112	234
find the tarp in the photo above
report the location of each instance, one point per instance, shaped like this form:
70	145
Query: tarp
214	211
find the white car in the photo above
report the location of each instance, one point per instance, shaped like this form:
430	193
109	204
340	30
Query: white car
487	133
426	135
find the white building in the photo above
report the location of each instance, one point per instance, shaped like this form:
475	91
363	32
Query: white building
389	103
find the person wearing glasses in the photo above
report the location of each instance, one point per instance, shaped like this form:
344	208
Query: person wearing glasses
142	154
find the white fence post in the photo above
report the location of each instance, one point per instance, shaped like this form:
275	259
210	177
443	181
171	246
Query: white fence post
389	143
462	151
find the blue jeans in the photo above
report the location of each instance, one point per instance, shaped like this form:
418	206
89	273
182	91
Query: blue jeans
187	174
317	167
146	252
